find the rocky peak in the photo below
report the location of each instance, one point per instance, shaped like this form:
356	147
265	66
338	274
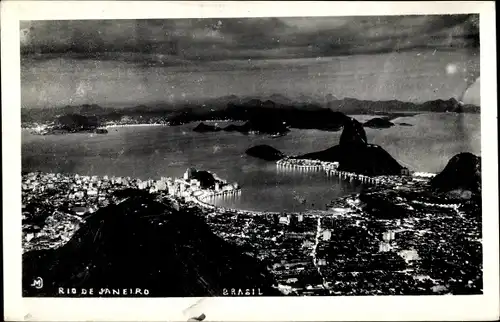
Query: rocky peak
353	133
463	171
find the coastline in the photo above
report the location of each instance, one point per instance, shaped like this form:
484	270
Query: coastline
107	126
133	125
111	126
200	197
383	181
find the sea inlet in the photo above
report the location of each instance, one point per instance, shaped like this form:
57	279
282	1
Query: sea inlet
162	151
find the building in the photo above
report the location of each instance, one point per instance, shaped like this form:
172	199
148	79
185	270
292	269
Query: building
409	255
405	172
384	247
389	235
327	235
285	220
79	194
160	185
196	183
307	243
321	262
189	173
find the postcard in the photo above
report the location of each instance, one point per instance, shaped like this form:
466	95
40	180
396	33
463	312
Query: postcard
249	161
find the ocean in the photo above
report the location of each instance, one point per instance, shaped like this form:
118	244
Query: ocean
153	152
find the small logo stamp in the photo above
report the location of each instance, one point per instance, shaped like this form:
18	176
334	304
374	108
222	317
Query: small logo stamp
37	283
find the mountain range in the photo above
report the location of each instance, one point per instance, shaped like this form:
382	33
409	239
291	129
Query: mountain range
236	107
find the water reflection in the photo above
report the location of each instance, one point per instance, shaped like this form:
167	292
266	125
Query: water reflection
287	189
220	199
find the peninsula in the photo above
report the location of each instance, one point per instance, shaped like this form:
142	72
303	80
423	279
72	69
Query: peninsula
355	154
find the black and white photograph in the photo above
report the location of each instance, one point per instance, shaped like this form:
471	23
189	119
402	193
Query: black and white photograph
302	156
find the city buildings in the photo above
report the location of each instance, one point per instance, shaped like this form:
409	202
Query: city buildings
344	250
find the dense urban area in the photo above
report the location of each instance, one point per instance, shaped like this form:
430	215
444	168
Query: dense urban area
393	238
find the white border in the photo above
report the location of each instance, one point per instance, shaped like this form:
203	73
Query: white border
395	308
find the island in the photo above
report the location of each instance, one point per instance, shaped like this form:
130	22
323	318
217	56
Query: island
378	123
265	152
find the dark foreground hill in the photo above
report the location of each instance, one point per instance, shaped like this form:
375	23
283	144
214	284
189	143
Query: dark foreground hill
463	172
142	243
354	154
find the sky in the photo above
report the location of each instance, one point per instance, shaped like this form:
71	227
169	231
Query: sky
209	45
219	39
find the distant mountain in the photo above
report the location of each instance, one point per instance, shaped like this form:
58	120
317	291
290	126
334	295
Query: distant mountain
378	123
265	152
74	123
202	128
303	112
299	116
355	106
222	101
145	244
280	99
354	154
463	172
263	125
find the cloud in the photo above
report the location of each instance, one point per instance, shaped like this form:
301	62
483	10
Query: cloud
216	39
